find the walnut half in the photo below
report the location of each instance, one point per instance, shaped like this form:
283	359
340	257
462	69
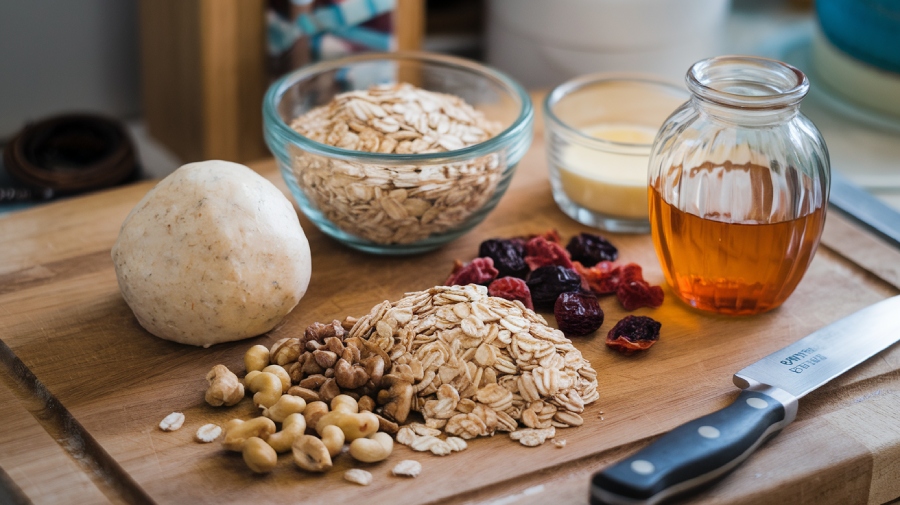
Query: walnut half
224	387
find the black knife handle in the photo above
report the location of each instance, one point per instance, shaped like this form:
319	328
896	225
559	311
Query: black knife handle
696	452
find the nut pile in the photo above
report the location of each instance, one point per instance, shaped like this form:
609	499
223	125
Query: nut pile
260	441
324	363
474	365
396	204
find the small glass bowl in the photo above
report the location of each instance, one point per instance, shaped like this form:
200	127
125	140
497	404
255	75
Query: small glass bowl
599	133
353	207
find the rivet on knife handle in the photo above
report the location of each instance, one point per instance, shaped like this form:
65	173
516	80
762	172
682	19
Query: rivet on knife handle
696	452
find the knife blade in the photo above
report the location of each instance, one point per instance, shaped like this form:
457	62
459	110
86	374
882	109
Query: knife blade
865	208
707	448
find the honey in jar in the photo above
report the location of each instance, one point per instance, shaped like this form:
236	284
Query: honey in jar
738	187
742	267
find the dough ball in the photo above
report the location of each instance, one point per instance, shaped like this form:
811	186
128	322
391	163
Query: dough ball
213	253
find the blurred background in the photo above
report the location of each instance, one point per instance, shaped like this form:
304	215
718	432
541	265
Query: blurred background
186	77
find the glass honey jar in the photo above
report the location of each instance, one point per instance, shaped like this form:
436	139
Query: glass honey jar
738	186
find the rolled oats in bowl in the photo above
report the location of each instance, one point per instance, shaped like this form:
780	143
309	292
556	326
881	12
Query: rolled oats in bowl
397	204
390	167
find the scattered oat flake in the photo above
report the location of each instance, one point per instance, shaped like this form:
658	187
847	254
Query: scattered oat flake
172	421
357	476
559	442
208	433
407	468
533	437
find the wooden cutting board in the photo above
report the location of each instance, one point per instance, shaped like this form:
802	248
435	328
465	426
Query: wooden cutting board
84	386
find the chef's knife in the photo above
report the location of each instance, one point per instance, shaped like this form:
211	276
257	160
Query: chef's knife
707	448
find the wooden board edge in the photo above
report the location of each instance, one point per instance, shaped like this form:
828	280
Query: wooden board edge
100	477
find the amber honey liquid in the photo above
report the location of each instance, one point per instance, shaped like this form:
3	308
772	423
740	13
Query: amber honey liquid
732	268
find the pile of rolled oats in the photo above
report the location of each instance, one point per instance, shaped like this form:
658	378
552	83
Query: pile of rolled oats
473	365
391	203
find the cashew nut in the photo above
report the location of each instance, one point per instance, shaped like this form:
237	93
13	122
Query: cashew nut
285	406
333	438
256	358
267	387
311	454
376	447
248	378
353	425
237	432
293	426
259	456
344	403
224	387
282	374
314	411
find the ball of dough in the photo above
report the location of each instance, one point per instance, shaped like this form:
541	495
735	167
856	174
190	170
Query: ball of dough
214	253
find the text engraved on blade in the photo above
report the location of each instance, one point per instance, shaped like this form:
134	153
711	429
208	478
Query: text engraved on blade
803	360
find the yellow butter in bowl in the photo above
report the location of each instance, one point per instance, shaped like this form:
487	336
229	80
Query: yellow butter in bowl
612	181
599	131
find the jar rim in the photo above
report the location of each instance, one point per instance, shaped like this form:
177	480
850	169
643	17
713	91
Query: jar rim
747	82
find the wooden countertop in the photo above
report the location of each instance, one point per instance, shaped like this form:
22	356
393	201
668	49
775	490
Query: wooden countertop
85	387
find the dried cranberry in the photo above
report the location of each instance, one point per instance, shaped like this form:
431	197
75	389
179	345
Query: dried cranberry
591	249
508	256
633	333
631	272
639	293
511	288
578	313
478	271
626	281
601	279
547	283
634	292
540	252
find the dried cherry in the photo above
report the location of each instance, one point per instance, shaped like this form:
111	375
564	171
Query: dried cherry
589	249
578	313
511	288
633	333
547	283
540	252
508	256
478	271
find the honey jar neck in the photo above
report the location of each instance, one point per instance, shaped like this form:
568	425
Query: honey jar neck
741	117
746	90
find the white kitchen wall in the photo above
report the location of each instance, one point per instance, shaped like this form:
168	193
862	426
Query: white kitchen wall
67	55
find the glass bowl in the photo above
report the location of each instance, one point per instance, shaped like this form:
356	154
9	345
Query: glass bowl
599	132
397	203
